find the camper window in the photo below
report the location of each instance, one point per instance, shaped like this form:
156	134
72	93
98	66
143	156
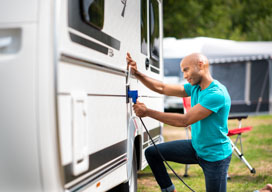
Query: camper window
144	27
93	12
154	30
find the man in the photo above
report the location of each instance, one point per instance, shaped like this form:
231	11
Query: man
209	147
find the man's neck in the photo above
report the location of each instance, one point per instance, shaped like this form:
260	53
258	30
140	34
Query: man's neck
206	81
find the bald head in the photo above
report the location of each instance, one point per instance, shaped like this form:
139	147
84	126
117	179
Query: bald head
196	59
195	67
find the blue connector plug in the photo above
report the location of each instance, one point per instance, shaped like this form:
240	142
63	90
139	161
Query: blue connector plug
133	94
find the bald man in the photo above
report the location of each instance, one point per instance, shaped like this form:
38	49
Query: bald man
209	147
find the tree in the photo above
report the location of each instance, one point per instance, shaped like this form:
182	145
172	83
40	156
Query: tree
228	19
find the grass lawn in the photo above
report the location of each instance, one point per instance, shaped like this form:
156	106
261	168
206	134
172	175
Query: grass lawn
257	146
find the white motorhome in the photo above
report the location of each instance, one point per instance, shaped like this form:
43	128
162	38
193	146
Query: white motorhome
66	123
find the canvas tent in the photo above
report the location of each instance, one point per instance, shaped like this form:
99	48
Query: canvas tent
245	68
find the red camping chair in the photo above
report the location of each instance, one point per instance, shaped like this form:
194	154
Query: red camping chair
238	131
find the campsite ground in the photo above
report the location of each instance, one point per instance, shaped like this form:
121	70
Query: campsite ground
257	145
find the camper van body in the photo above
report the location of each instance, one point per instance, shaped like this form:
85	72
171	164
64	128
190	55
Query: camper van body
66	122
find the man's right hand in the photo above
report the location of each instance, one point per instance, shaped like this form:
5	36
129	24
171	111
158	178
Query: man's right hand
153	84
132	64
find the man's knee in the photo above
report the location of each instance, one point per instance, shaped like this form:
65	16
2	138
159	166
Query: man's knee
150	152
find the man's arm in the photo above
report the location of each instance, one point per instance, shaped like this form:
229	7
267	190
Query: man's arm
155	85
160	87
175	119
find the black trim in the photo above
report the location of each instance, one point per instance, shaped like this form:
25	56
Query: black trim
153	132
154	70
89	43
98	159
76	21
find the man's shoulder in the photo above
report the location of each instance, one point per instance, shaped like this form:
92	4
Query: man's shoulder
215	92
218	92
219	85
217	88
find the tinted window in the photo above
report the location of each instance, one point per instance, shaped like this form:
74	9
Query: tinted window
144	27
93	12
154	30
172	68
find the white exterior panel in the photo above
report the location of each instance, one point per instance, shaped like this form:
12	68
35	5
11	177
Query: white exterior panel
18	116
14	11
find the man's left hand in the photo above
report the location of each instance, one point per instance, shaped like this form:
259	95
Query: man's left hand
140	109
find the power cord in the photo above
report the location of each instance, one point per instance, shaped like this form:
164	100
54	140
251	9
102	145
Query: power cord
134	95
164	158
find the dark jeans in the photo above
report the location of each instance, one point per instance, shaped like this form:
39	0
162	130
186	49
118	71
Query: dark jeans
182	151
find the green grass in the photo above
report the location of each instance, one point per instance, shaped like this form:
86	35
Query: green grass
257	146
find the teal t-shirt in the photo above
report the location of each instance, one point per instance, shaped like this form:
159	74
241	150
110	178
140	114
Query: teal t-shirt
209	135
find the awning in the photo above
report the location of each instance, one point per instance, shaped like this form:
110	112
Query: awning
218	50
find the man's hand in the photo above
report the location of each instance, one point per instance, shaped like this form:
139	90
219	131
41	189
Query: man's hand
132	64
153	84
140	109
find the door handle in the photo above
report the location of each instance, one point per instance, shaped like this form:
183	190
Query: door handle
10	40
79	133
147	63
5	42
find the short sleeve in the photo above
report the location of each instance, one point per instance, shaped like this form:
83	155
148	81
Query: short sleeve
213	101
188	88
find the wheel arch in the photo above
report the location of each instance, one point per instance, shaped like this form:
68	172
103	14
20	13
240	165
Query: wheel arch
138	150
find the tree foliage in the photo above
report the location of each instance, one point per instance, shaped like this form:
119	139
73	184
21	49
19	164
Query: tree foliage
249	20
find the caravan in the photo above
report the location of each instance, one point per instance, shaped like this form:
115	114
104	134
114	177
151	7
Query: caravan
66	121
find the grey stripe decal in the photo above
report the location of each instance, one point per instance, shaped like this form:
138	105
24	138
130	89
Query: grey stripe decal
154	62
98	159
153	132
150	143
145	145
145	137
98	175
154	70
89	43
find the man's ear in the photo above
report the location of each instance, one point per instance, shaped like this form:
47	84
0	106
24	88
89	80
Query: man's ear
201	64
